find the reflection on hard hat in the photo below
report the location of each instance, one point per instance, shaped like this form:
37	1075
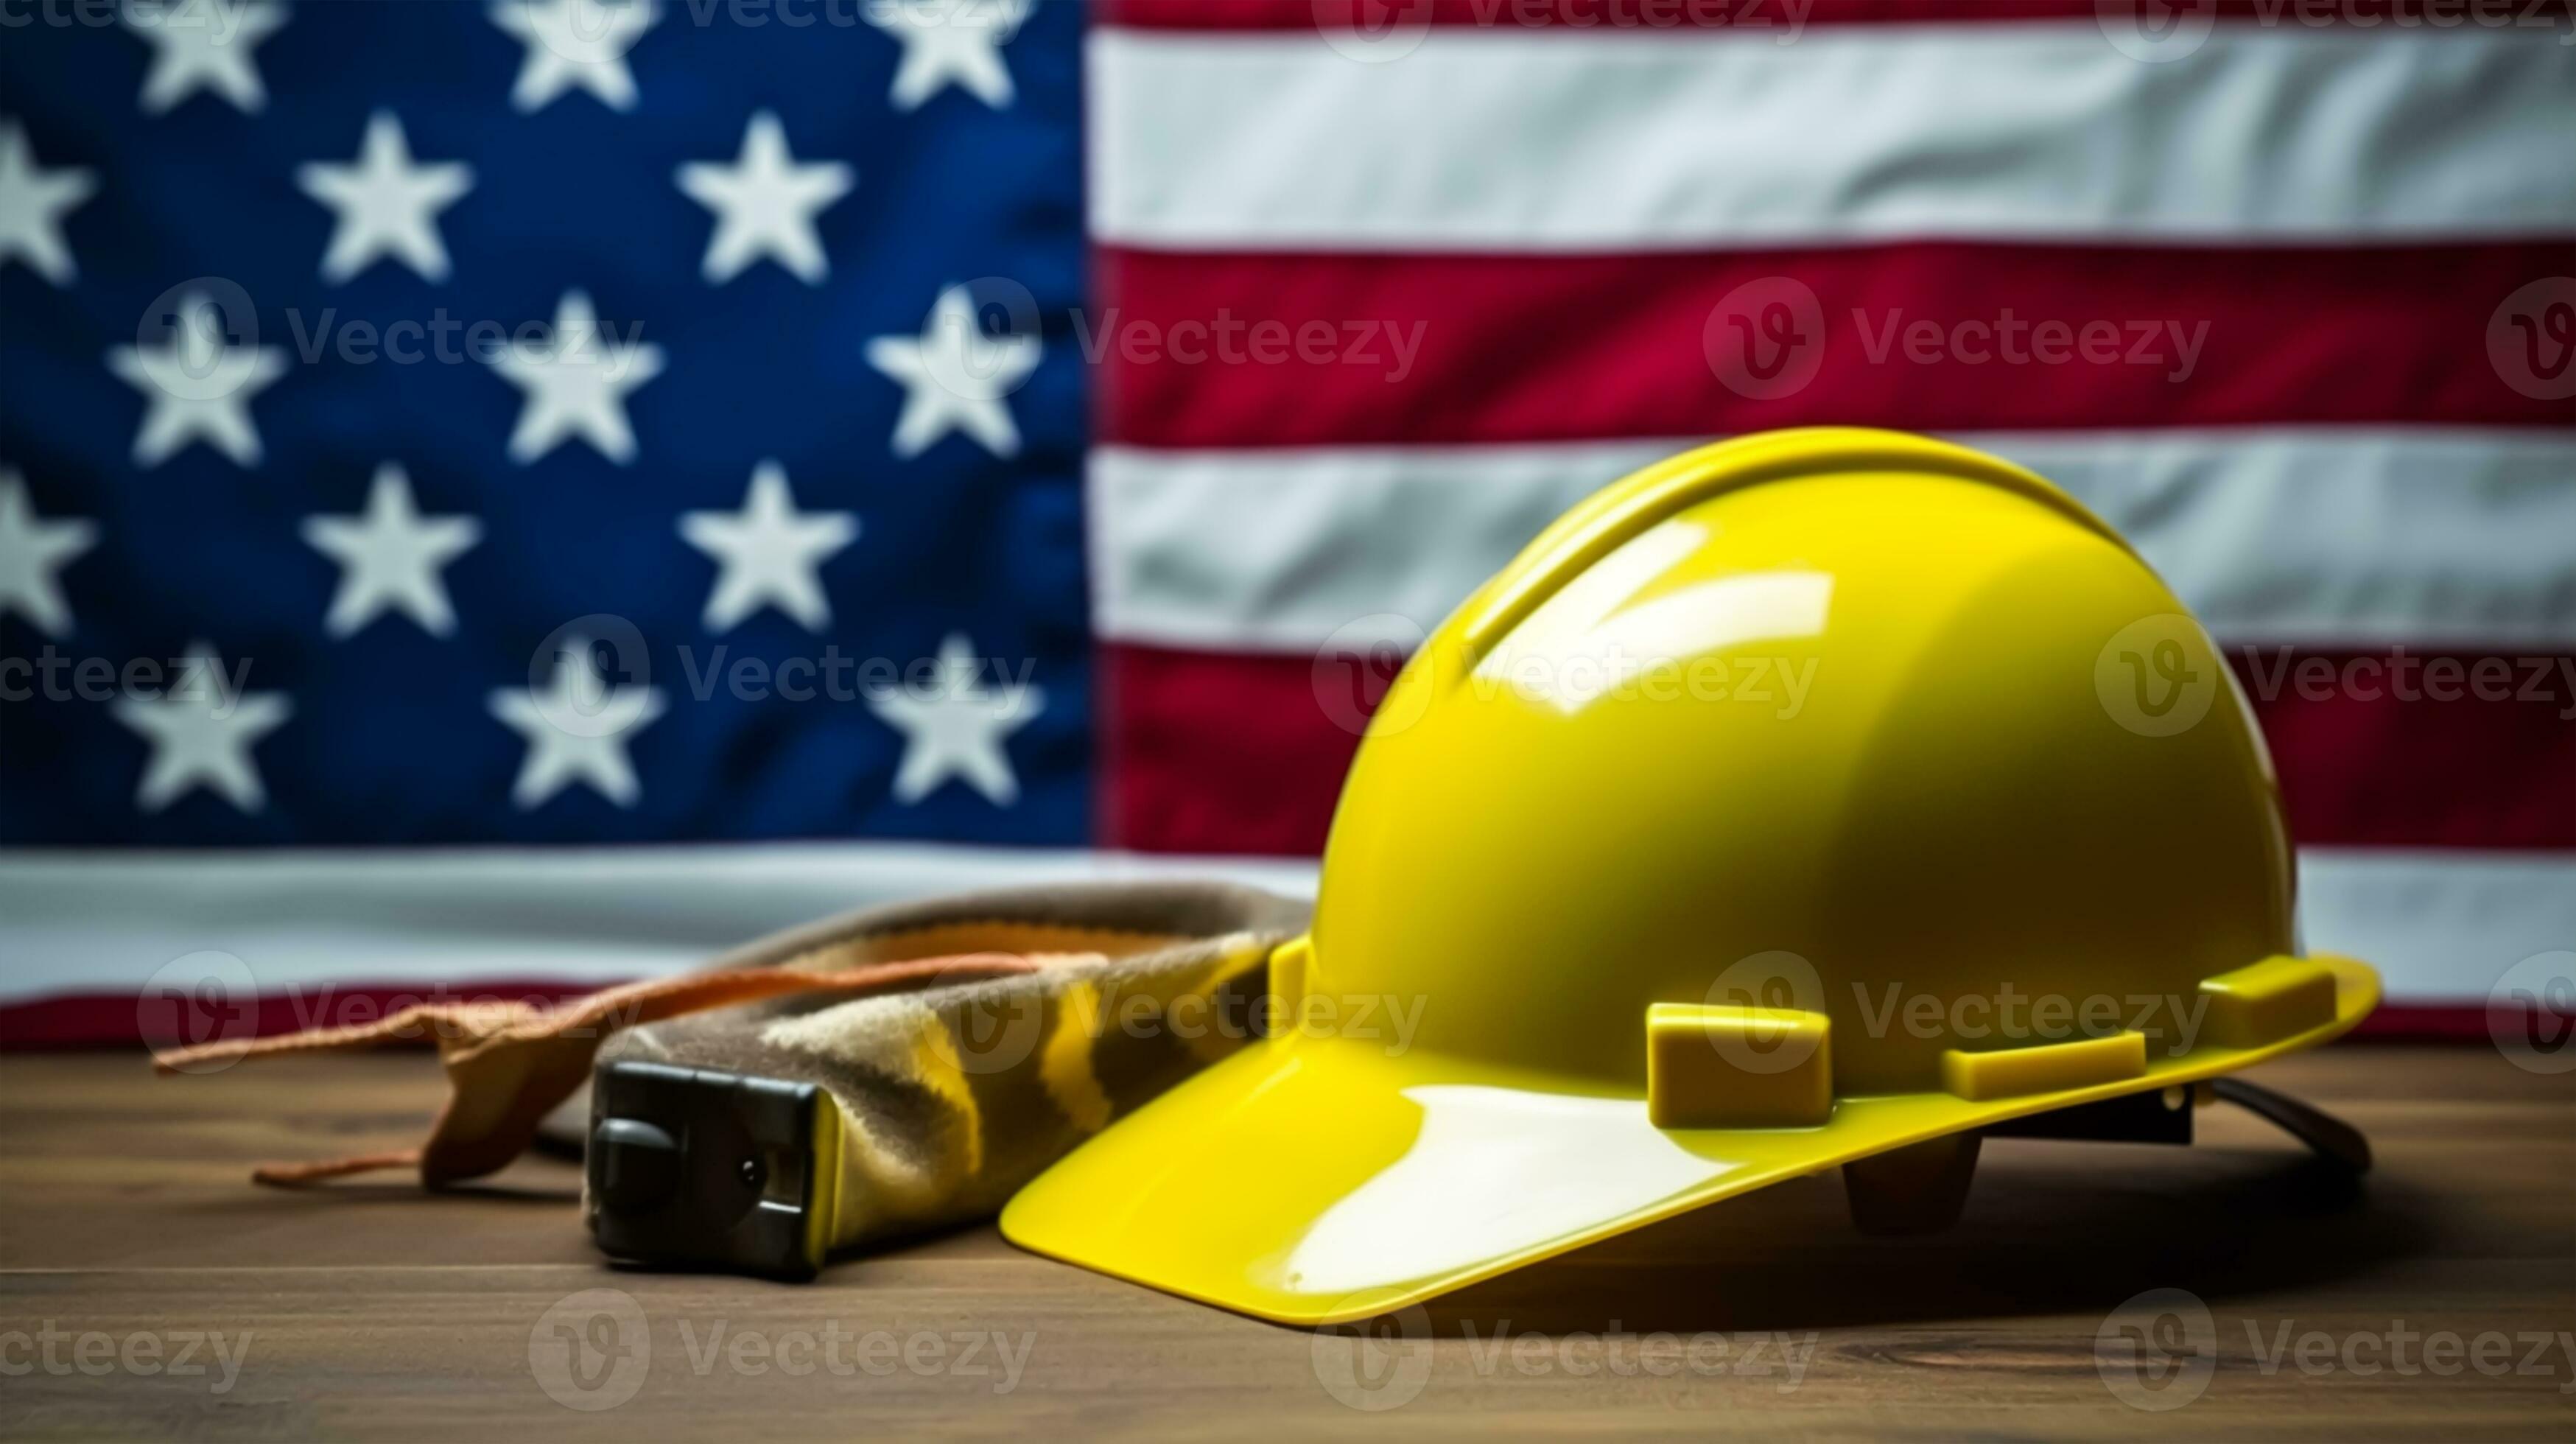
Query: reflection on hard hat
1588	640
1495	1171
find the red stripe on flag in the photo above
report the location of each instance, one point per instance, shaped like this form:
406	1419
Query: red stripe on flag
1217	753
2407	748
1310	350
1371	17
1222	753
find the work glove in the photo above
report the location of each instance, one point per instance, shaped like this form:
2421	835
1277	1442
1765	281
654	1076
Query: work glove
967	1042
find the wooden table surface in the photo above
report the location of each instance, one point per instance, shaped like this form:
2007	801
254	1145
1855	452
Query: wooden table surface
127	1230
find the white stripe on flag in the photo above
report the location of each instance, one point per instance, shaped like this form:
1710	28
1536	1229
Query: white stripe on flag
1598	140
2319	537
2441	926
102	922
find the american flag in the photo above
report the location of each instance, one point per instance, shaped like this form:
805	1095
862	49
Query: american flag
863	446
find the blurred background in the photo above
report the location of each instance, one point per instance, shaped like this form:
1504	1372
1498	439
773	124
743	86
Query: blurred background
512	496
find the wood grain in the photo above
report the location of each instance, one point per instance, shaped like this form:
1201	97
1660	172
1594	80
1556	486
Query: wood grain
374	1311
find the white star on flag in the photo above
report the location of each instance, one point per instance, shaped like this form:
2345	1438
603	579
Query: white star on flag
576	384
765	204
204	47
390	558
577	730
768	553
201	734
954	377
950	41
33	201
387	206
573	43
31	551
199	385
956	727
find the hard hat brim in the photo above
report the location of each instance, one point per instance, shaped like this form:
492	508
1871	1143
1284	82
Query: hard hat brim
1315	1180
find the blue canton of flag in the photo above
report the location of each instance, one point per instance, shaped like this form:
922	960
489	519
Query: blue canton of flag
540	421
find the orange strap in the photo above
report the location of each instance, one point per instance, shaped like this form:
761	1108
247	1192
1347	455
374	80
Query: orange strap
509	1064
301	1175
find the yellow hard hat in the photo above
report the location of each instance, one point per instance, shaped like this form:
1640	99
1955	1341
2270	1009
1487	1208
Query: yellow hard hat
1826	797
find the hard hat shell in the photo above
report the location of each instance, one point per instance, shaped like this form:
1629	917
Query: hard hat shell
1801	798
